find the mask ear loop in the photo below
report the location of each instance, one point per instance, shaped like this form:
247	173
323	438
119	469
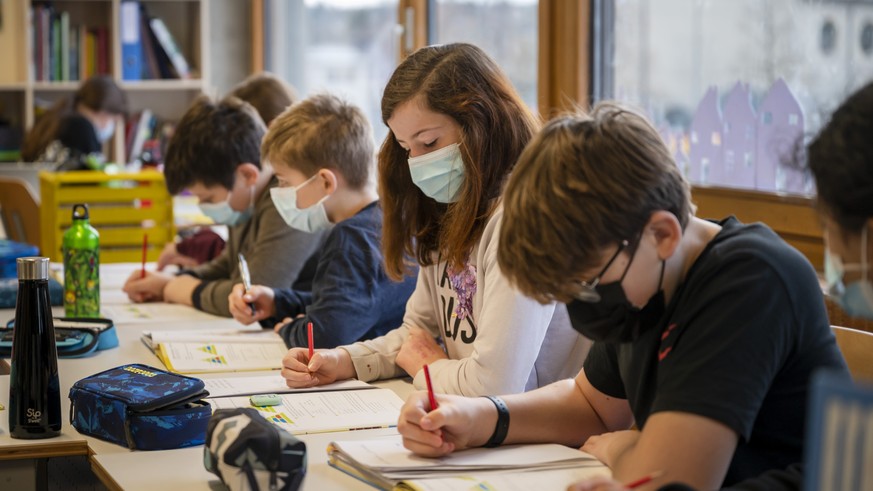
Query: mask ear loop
661	279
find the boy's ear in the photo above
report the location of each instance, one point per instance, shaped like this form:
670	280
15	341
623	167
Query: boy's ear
249	172
667	232
330	180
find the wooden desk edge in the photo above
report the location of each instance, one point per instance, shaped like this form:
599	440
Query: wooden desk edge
46	450
103	474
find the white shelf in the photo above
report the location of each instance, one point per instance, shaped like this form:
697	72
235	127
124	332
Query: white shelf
56	86
163	84
8	87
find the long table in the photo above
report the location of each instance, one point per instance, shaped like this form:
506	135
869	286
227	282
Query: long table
122	469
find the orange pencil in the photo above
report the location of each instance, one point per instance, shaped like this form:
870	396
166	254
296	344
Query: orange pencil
145	246
430	396
311	344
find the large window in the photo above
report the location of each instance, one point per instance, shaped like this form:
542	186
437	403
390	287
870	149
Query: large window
669	54
505	29
345	47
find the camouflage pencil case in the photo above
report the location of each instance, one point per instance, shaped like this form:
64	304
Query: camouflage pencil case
141	407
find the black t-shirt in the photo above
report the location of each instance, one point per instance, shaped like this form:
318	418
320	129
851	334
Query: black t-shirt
78	134
738	344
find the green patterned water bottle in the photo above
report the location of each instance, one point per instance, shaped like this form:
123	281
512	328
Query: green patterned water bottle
81	266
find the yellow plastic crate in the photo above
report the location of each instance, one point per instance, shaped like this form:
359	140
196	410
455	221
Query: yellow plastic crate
122	208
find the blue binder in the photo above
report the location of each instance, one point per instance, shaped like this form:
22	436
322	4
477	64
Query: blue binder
131	41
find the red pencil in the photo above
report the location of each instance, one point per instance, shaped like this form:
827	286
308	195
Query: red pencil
430	396
311	344
643	480
145	245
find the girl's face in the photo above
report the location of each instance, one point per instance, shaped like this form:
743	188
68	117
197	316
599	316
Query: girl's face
419	130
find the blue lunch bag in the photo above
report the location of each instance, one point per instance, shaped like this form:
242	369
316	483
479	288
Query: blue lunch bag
141	407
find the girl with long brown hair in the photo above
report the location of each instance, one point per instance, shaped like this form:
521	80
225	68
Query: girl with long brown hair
76	127
457	127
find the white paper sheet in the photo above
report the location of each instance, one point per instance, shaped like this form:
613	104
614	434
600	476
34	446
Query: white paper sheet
318	412
270	384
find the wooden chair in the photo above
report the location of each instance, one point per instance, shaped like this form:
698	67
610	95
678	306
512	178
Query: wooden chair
19	210
857	348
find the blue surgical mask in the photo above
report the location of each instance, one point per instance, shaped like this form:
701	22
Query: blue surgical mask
222	213
856	298
106	132
310	220
439	174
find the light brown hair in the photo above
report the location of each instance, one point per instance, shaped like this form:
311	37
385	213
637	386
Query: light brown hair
267	93
98	93
460	81
585	182
322	131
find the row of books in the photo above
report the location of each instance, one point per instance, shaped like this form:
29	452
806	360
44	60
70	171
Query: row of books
148	50
62	52
65	52
146	137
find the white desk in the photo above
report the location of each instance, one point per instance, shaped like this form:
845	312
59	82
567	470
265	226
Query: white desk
121	468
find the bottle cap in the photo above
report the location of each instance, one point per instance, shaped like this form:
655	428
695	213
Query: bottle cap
33	268
80	211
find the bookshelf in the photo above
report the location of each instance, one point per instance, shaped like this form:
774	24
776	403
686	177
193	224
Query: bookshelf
23	87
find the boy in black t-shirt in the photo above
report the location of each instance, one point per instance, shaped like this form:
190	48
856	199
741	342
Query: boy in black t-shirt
706	333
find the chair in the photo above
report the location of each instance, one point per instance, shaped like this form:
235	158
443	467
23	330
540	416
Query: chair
19	210
839	433
857	348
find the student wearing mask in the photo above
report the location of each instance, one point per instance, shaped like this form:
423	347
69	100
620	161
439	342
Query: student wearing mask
215	154
72	133
706	332
321	150
269	95
457	127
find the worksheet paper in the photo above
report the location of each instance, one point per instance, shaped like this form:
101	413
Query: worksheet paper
319	412
241	334
270	384
194	357
155	313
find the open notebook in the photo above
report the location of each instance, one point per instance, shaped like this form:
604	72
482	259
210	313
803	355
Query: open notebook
216	350
386	464
322	412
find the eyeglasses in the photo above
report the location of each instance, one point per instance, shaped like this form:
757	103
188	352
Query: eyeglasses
587	289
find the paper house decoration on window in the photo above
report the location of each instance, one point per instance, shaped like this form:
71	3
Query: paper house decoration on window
738	161
706	140
780	132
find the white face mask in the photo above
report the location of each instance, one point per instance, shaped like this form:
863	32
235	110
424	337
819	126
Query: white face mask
311	220
439	174
224	214
856	298
106	132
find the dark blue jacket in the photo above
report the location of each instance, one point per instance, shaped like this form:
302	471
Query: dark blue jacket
352	297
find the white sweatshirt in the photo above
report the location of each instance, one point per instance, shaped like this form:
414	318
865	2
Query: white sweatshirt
510	344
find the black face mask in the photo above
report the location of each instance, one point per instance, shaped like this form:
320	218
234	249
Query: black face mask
614	319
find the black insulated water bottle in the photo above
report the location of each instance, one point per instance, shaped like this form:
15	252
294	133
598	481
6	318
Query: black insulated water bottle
34	389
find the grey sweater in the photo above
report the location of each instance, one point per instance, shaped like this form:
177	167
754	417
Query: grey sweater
274	251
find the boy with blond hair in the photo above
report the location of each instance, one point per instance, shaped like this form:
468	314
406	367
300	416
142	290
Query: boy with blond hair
321	150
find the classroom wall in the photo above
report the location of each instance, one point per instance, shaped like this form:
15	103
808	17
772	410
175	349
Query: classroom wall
231	42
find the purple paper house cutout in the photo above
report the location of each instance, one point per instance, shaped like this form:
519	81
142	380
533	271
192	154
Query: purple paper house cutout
738	162
780	129
705	160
